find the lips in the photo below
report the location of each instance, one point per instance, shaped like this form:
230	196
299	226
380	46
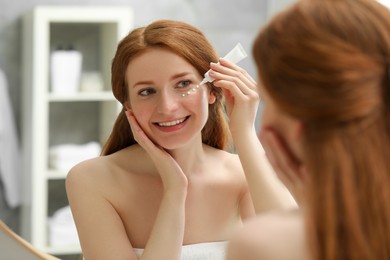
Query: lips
172	123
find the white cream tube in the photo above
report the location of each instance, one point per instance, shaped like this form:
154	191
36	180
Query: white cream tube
235	55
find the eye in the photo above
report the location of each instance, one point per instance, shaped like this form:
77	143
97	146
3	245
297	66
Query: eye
146	92
184	83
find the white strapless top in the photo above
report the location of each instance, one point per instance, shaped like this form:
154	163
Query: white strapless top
201	251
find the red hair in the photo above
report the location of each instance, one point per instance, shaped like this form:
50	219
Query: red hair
326	62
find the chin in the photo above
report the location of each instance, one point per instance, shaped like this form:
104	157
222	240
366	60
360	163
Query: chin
175	144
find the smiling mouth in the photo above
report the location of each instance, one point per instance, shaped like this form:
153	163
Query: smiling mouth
172	123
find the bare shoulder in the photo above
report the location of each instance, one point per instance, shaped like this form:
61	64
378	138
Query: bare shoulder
99	187
274	235
85	171
88	172
101	171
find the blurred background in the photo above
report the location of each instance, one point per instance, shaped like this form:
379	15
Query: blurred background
224	22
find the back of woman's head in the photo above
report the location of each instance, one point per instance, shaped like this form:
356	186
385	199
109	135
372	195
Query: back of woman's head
187	42
326	63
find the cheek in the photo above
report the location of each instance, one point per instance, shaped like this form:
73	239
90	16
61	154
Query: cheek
197	100
142	112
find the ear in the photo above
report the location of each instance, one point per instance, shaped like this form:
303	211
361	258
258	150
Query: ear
212	97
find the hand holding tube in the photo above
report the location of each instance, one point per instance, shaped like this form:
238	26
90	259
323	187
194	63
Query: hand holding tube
235	55
240	91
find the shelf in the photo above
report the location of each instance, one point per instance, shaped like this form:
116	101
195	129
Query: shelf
49	118
82	96
56	174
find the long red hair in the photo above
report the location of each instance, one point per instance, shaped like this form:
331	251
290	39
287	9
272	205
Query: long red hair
326	62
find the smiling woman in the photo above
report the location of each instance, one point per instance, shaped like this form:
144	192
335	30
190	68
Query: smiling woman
155	97
166	185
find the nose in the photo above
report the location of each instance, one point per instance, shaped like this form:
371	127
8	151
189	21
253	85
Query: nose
167	102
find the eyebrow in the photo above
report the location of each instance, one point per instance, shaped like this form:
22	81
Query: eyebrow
149	82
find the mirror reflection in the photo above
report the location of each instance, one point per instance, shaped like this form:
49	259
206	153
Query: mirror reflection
58	109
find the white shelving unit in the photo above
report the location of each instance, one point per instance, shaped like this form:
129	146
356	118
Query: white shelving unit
50	118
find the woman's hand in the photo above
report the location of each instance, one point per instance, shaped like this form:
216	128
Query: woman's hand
171	174
242	100
240	91
288	168
162	242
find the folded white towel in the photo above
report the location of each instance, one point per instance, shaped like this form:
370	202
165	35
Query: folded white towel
65	156
200	251
62	229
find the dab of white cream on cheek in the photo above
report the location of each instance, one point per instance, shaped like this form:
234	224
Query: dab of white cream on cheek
191	91
235	55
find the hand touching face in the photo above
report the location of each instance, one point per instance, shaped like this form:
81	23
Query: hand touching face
280	135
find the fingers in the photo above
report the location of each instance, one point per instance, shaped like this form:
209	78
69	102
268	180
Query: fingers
279	155
139	135
135	128
288	168
241	96
226	67
235	67
233	78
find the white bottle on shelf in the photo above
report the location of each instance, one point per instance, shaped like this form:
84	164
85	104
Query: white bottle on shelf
65	71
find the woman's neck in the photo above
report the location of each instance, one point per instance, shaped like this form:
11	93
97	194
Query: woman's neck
190	157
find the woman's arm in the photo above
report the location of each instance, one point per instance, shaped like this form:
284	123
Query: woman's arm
242	100
100	228
99	225
166	239
274	235
101	231
267	191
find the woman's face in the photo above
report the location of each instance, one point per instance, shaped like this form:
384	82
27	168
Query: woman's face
156	81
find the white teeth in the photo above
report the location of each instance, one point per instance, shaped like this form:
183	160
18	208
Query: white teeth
172	123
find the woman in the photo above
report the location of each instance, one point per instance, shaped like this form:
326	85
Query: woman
325	81
164	188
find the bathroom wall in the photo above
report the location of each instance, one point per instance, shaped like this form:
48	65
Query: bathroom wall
225	22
